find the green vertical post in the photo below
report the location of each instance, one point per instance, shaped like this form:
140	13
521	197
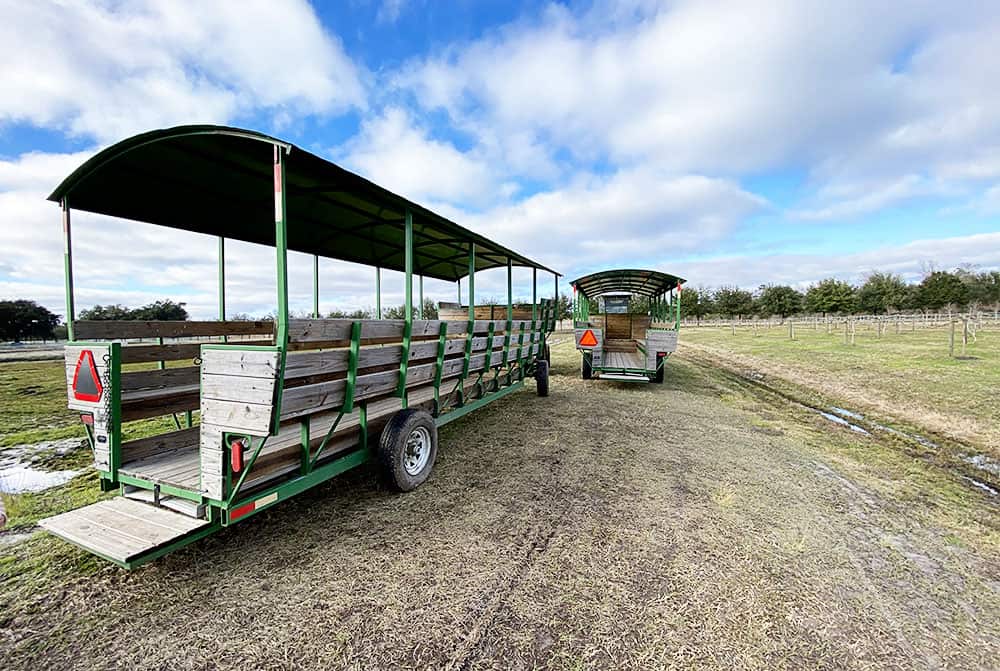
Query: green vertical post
378	293
555	304
534	295
677	319
315	286
281	246
222	279
421	280
68	268
407	305
510	292
458	286
472	282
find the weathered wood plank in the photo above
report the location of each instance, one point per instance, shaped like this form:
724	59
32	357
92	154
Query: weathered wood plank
245	363
159	379
337	332
143	404
234	416
148	353
121	330
256	390
141	448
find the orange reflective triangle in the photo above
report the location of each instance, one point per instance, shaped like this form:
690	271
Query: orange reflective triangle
588	339
87	387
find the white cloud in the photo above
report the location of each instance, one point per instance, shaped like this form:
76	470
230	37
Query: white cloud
852	92
389	10
393	151
641	215
909	260
108	70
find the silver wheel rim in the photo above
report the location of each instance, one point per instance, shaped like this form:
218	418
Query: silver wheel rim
418	451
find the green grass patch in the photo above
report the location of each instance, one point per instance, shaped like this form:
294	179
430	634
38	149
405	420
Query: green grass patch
908	375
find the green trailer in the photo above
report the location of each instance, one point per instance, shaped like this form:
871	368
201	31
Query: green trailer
626	323
252	412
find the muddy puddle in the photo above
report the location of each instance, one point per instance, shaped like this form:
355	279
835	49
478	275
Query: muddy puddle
22	472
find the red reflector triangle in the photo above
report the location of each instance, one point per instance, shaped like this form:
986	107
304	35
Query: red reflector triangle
86	381
588	339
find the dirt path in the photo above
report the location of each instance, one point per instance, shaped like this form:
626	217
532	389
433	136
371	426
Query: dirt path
608	526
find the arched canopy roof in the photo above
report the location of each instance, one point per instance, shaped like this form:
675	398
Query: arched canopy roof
219	180
630	281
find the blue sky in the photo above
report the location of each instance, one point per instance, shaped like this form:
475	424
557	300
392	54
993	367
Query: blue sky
731	143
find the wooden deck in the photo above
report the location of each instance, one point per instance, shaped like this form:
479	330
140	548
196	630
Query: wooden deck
121	529
624	360
180	467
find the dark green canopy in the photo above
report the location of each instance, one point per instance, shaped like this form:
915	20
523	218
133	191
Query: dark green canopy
219	180
629	281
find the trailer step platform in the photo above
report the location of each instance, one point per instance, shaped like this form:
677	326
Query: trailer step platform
126	531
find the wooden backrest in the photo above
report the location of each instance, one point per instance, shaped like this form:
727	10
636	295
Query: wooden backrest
182	333
315	379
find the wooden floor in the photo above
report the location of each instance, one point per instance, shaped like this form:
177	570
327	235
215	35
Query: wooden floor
624	360
180	468
119	528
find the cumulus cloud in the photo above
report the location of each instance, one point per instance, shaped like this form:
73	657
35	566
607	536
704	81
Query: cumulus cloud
850	90
107	70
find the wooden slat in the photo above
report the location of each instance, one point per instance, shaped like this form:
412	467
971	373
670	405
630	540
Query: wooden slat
141	448
149	353
256	390
245	363
159	379
304	333
143	404
121	330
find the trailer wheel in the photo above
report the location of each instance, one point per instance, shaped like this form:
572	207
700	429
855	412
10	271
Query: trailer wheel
660	365
542	377
548	354
407	449
588	366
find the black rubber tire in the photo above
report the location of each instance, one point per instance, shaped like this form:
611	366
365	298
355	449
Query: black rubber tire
547	354
392	448
660	366
542	377
588	366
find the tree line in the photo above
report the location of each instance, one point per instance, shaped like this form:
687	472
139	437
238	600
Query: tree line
880	293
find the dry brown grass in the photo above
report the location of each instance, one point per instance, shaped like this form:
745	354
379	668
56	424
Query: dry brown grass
689	525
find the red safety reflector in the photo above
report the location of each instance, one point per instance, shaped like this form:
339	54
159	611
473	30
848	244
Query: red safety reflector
86	381
236	454
237	513
87	419
588	339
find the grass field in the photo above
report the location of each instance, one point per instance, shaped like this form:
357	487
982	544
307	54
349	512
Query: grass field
702	523
908	376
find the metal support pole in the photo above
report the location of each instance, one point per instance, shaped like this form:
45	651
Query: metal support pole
407	305
408	268
534	294
378	293
68	268
281	249
315	286
222	278
281	246
458	285
510	292
555	305
421	280
472	282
